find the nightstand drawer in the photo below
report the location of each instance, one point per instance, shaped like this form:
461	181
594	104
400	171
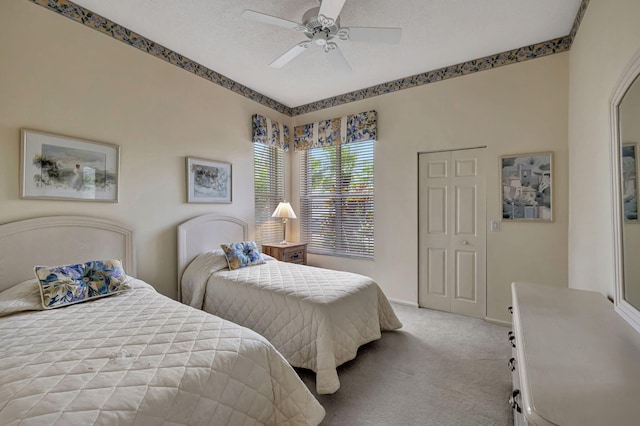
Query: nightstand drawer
290	252
295	256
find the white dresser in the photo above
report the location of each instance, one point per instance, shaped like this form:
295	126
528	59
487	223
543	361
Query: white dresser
575	361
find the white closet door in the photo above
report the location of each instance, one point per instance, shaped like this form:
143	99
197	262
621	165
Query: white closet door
452	238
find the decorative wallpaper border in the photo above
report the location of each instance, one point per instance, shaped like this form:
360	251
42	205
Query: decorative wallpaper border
576	22
92	20
494	61
526	53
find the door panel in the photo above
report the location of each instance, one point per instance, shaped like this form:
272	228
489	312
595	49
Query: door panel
466	210
437	215
437	272
466	276
437	169
452	231
434	233
467	167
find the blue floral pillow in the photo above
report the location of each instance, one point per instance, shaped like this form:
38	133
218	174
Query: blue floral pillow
242	254
69	284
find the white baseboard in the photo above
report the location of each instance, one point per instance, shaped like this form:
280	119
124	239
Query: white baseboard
487	319
497	321
404	302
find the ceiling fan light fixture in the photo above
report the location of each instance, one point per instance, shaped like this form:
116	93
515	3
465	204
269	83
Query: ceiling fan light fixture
321	38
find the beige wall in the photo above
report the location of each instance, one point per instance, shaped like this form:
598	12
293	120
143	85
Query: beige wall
515	109
61	77
607	39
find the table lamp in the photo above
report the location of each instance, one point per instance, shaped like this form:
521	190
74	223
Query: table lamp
284	211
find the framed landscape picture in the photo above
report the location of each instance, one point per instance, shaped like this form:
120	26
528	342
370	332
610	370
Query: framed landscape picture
208	181
65	168
527	187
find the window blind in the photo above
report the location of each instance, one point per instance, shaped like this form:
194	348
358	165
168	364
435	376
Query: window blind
337	199
268	173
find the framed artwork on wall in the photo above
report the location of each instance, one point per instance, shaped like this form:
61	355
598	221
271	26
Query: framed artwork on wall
527	187
208	181
59	167
629	177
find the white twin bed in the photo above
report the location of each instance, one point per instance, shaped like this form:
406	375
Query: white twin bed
138	358
316	318
133	358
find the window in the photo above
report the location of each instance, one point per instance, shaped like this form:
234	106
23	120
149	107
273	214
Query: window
336	199
268	175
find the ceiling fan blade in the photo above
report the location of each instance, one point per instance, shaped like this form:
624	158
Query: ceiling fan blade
337	59
290	54
375	34
329	11
268	19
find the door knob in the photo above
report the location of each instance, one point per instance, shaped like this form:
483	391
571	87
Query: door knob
465	243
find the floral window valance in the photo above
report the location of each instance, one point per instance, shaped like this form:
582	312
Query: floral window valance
269	132
341	130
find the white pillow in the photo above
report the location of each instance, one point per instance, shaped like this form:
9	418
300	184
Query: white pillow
195	276
21	297
213	260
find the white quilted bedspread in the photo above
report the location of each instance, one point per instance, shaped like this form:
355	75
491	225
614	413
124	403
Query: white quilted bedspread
139	358
317	318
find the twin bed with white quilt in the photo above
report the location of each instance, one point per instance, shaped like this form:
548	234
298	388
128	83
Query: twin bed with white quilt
132	358
316	318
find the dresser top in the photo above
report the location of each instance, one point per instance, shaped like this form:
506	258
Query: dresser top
579	360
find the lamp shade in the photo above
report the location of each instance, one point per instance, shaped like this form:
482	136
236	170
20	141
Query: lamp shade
284	210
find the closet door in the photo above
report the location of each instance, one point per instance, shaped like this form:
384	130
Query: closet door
452	232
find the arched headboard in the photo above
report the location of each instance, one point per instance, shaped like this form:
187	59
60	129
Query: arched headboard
204	233
61	240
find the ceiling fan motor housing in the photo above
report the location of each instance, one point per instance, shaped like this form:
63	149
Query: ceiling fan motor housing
313	26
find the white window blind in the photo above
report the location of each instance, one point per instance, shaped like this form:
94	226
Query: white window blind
268	173
337	199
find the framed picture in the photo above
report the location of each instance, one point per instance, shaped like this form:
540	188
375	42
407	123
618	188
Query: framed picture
527	185
208	181
630	181
64	168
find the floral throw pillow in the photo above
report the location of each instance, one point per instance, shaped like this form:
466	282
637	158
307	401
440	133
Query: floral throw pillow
242	254
69	284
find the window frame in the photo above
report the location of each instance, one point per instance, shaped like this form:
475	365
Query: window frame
336	197
271	158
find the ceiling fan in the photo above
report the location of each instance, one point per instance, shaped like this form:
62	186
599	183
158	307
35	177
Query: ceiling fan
321	25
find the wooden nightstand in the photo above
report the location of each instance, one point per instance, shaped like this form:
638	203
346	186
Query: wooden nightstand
291	252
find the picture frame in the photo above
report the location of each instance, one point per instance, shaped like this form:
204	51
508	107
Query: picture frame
527	187
208	181
56	167
629	184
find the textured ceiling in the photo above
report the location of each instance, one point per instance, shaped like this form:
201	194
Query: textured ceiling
436	33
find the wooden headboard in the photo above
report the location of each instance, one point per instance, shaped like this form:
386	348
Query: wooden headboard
204	233
61	240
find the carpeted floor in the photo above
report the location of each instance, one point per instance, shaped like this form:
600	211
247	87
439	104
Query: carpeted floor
438	369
